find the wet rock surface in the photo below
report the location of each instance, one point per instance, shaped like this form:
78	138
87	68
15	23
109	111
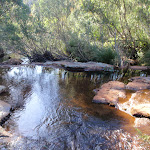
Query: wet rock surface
79	66
110	92
139	103
139	83
135	86
4	109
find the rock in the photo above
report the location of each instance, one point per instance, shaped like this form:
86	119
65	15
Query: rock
4	133
12	62
141	110
138	105
114	85
2	89
110	92
4	109
135	86
109	96
141	79
139	68
79	66
140	122
139	83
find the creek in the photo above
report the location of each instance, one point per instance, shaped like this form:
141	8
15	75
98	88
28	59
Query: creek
53	110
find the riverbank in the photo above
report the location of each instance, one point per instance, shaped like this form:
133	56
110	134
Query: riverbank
75	66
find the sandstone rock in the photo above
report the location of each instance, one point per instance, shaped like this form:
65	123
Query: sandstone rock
2	89
138	105
137	86
140	122
110	92
114	85
4	109
79	66
141	79
141	110
139	67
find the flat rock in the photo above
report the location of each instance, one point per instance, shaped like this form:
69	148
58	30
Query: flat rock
139	67
114	85
141	79
79	66
110	92
2	89
135	86
4	109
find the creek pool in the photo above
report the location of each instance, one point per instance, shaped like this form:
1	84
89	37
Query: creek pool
53	110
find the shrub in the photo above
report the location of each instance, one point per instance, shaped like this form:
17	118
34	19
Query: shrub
83	51
146	58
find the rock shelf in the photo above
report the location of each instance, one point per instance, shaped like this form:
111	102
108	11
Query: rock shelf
139	103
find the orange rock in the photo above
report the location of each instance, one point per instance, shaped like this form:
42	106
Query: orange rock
110	92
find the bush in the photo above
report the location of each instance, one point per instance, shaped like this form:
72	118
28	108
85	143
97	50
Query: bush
83	51
146	58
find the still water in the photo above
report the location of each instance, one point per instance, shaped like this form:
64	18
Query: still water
53	110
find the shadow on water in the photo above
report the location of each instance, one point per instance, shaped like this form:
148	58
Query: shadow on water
54	110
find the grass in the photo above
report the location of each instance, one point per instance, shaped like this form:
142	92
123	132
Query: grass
143	136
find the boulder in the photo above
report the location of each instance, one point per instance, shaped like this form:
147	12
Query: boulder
2	89
110	92
4	109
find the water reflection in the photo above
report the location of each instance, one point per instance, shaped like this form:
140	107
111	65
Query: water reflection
54	108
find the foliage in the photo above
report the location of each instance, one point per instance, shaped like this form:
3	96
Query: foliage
84	30
147	57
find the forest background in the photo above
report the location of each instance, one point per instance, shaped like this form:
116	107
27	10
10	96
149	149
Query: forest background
81	30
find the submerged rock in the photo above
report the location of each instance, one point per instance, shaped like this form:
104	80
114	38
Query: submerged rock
2	89
110	92
4	109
